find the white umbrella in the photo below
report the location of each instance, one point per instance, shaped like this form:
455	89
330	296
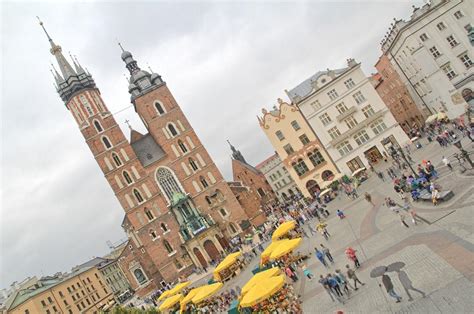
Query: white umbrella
358	171
325	192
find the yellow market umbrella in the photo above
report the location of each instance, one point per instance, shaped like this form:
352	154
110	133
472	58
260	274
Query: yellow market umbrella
283	229
191	294
228	261
174	290
265	289
268	251
285	248
171	301
258	277
206	292
164	295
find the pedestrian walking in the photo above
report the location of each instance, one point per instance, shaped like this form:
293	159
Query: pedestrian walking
321	227
320	257
402	219
289	272
351	254
380	175
413	216
327	253
324	282
343	282
387	283
307	272
435	196
340	214
352	275
447	163
368	198
334	284
407	284
313	232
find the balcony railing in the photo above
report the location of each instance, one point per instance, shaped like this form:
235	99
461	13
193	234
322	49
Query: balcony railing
346	113
362	125
194	225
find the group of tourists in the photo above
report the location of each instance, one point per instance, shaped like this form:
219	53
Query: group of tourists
338	284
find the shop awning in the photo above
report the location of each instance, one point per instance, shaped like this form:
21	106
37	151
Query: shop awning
283	229
228	261
170	302
191	294
265	289
268	251
174	290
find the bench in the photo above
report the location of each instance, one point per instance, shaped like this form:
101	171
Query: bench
443	196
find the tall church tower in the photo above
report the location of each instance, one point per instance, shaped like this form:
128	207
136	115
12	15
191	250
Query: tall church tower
179	211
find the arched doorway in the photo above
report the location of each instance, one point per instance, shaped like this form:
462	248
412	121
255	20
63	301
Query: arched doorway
200	257
312	187
222	241
211	250
327	175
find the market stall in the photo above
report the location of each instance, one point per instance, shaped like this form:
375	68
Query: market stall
188	298
229	266
271	294
180	286
285	248
203	300
171	304
271	272
283	229
265	256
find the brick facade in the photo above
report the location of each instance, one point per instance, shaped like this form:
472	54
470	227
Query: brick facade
395	95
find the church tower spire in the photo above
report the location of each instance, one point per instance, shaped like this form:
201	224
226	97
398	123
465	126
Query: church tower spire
236	154
141	81
70	81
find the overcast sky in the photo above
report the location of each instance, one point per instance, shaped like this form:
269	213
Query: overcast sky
223	62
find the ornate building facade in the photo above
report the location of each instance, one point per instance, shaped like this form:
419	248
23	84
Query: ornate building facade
165	179
299	148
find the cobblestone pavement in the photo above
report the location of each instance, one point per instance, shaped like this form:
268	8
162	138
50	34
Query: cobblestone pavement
438	253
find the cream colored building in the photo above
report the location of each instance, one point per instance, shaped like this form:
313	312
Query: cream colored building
433	55
82	291
349	117
278	177
298	147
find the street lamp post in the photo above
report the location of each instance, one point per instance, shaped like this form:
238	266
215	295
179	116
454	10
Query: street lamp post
464	153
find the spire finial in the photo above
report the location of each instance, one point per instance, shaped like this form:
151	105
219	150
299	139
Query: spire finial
44	29
129	125
120	45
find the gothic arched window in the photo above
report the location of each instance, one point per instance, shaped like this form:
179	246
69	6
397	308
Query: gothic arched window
138	195
168	182
138	273
98	127
106	142
127	177
193	164
149	214
168	246
203	182
164	227
172	129
183	147
116	159
208	200
153	234
159	108
232	228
